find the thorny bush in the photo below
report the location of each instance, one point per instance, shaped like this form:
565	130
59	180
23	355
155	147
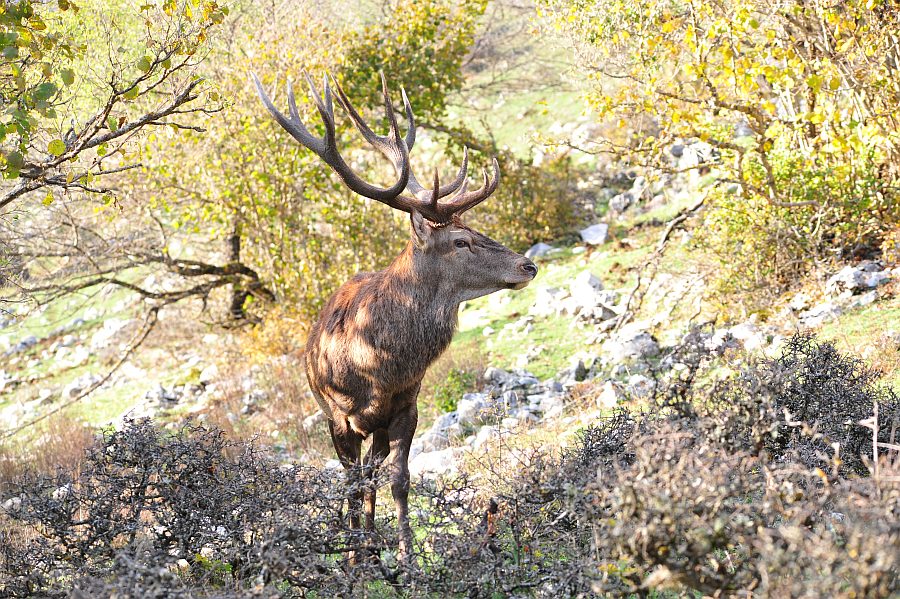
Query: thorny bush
722	489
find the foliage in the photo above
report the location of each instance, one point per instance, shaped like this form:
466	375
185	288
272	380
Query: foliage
812	84
74	101
455	385
675	499
34	67
246	177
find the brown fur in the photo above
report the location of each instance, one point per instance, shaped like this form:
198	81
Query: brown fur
369	350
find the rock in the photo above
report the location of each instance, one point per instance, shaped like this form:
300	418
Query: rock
585	283
749	335
552	406
510	423
432	464
104	336
469	408
640	386
855	279
609	396
484	435
595	234
445	421
801	301
434	441
80	385
495	376
621	202
510	400
12	504
538	250
822	313
547	301
866	299
313	420
579	372
631	345
23	345
487	331
209	374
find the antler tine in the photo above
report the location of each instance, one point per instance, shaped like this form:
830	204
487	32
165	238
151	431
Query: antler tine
292	125
387	145
326	148
465	200
410	121
325	109
420	192
435	194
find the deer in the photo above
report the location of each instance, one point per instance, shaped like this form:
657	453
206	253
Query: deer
369	349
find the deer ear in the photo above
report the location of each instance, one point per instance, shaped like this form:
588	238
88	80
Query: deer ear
422	233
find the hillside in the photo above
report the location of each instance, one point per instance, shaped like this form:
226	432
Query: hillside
698	394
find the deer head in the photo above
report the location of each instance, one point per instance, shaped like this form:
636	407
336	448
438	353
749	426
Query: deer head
446	251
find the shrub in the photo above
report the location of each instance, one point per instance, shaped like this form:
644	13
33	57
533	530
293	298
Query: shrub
710	491
448	392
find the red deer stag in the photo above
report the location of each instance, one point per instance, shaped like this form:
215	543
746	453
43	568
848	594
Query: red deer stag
369	350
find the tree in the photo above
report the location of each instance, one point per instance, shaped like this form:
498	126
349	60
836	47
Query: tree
82	84
814	87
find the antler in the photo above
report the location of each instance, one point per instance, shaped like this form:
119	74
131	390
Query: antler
425	201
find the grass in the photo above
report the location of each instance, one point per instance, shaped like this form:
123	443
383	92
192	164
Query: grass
864	332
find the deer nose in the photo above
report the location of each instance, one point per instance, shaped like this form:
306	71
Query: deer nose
529	268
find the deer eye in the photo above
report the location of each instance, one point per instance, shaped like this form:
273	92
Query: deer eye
461	243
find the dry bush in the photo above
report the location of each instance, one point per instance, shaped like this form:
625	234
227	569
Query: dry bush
270	404
60	443
711	492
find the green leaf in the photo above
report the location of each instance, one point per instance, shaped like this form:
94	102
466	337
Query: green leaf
131	94
44	91
68	76
144	64
15	159
57	147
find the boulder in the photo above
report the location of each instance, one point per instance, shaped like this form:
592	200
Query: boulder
470	408
547	301
596	234
857	278
610	395
819	314
538	250
640	386
631	345
432	464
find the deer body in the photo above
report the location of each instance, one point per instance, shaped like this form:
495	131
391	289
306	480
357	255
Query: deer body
375	339
368	352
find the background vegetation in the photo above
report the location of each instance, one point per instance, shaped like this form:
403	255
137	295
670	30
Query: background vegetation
145	189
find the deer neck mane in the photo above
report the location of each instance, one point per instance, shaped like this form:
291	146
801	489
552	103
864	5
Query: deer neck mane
421	296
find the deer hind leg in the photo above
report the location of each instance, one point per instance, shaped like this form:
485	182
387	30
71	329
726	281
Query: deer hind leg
400	435
376	455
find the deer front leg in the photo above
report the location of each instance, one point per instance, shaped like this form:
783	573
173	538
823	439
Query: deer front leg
376	455
400	435
347	445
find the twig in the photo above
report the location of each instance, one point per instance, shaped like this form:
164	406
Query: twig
653	261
